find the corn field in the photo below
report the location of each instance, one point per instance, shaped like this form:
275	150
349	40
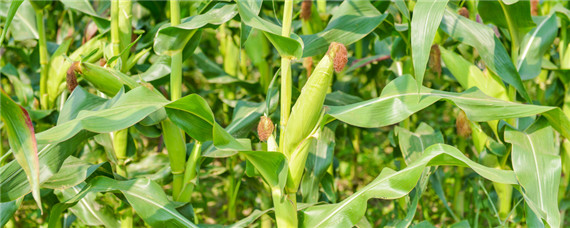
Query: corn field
285	113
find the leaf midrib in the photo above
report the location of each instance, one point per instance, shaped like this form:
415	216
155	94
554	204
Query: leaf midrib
538	175
164	208
416	94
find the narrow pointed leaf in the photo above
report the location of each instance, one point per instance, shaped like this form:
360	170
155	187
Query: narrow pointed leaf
515	16
487	44
271	165
353	20
193	115
534	45
8	209
392	185
413	144
14	5
22	140
131	108
399	100
425	21
145	196
13	183
538	167
286	46
72	173
469	75
172	39
88	210
23	20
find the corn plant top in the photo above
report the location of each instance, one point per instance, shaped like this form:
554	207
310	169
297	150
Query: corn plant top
308	113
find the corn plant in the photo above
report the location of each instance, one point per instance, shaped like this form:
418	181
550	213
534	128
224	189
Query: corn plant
307	113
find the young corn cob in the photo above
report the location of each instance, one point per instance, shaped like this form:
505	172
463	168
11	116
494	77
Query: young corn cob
106	80
307	111
58	65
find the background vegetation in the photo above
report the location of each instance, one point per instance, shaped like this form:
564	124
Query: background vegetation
197	113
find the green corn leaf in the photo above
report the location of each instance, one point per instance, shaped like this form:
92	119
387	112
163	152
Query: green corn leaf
13	184
425	21
538	167
469	75
392	184
271	165
88	210
159	69
22	139
286	46
145	196
513	16
14	5
7	210
399	100
81	100
20	20
216	74
129	109
487	44
534	45
353	20
72	172
413	144
23	92
172	39
193	115
401	5
318	161
85	7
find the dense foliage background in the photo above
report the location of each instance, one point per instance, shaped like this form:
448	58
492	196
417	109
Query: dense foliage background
448	113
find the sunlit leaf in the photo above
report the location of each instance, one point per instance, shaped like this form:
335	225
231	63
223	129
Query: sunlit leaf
537	166
22	140
145	196
352	20
14	5
425	21
392	184
286	46
129	109
172	39
399	100
490	48
534	45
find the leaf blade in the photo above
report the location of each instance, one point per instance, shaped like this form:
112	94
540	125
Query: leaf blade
425	21
22	140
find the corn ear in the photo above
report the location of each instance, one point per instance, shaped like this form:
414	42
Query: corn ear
58	66
306	111
107	80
